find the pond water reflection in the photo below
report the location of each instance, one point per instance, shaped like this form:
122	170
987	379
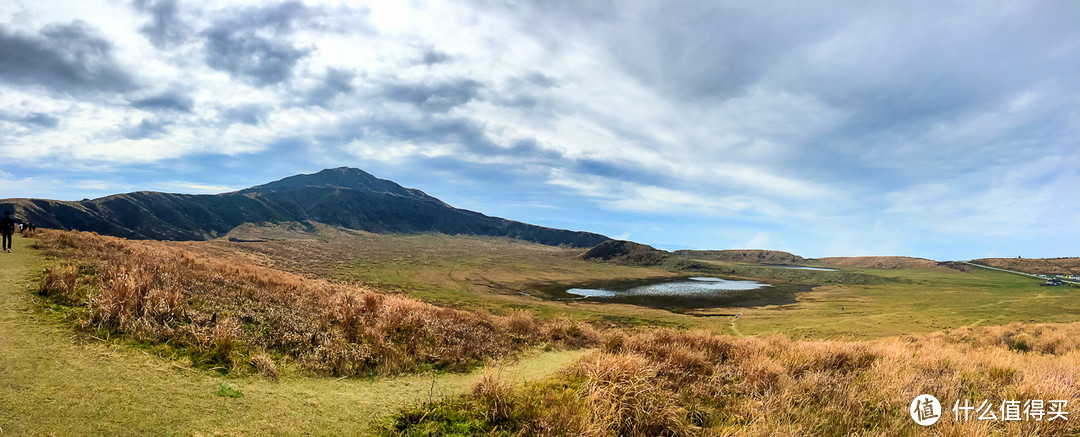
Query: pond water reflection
696	286
681	293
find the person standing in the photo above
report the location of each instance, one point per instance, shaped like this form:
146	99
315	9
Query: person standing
7	227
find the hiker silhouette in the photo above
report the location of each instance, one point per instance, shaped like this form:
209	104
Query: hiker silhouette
7	227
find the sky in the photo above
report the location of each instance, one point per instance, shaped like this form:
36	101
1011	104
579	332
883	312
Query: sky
944	130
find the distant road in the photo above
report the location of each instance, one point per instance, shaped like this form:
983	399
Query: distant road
1014	272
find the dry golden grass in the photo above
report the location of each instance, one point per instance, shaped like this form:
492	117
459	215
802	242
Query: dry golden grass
1037	266
229	313
666	382
880	262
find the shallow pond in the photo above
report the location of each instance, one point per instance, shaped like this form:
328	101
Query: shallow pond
679	294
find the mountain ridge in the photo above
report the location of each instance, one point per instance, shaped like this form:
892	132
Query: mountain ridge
347	197
756	256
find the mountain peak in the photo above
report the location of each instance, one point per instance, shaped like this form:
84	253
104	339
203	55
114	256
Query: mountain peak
341	177
343	196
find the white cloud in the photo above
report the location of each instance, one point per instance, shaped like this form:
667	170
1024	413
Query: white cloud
951	119
1031	199
760	241
621	195
198	188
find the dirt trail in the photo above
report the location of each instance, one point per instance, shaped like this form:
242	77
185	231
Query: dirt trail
50	385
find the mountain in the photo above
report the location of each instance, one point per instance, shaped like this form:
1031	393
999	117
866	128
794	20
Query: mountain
1035	266
744	256
881	262
346	197
626	253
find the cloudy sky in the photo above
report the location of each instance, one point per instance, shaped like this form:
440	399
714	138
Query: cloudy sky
947	130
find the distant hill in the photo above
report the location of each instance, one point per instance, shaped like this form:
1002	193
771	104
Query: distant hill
743	255
1035	266
345	197
626	253
881	262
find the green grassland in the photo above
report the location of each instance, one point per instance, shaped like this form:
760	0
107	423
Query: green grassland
919	301
501	274
55	381
490	273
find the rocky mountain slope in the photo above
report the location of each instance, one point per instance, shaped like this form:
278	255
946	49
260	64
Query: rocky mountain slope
345	197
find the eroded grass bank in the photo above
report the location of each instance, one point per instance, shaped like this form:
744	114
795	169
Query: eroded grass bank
229	313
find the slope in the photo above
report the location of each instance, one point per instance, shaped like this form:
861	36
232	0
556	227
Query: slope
743	256
53	385
343	196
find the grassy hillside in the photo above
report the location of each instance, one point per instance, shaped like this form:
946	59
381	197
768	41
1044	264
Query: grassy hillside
229	314
665	382
496	274
627	253
1047	266
54	381
743	256
493	273
183	320
880	262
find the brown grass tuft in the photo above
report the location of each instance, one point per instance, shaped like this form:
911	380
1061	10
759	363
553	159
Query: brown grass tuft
495	397
61	282
622	397
265	365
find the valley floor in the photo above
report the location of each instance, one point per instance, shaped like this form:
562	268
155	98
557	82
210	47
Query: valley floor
907	296
51	383
847	358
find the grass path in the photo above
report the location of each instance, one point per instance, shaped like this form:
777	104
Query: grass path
51	385
735	329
